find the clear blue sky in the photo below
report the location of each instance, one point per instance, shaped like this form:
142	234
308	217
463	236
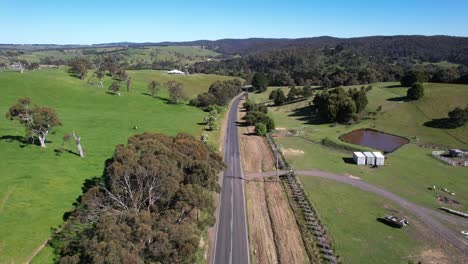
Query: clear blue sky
99	21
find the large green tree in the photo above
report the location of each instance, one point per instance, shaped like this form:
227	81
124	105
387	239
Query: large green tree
415	92
151	205
37	120
458	117
80	67
359	97
260	82
219	93
412	77
335	105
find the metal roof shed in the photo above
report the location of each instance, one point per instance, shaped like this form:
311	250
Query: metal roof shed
370	159
359	158
379	158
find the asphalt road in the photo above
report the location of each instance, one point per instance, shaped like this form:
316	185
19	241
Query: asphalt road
433	219
231	242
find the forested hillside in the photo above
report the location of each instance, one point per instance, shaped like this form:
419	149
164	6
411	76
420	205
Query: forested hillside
332	62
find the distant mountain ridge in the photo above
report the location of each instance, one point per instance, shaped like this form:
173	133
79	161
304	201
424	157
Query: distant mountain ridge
406	43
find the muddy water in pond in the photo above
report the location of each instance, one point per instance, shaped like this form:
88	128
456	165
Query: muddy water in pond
375	139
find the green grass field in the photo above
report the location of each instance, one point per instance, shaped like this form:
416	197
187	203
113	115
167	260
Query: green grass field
408	171
411	168
36	185
350	216
133	55
398	117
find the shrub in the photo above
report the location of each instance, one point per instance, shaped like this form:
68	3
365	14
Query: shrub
260	129
416	91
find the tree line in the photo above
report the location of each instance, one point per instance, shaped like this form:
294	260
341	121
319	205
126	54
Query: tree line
295	93
339	105
335	66
219	93
257	115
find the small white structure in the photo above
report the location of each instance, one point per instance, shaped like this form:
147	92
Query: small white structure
370	159
379	158
176	72
455	153
359	158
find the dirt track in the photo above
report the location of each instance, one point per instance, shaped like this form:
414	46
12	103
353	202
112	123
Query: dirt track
285	230
431	218
256	154
274	236
261	238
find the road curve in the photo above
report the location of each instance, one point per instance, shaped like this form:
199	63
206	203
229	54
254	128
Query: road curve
427	216
231	242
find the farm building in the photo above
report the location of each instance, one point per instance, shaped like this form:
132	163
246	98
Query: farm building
456	153
359	158
176	72
379	158
370	159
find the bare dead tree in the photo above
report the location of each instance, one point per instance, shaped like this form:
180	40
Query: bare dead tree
21	67
78	144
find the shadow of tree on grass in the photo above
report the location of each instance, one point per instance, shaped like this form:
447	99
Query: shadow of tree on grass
397	99
444	123
308	116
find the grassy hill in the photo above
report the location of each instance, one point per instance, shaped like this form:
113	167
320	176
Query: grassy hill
36	185
408	171
184	55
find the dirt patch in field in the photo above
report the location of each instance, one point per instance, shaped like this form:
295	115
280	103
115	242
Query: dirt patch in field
262	245
435	256
437	250
255	152
293	152
285	230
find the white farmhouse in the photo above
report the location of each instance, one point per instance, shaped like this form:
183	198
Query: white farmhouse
359	158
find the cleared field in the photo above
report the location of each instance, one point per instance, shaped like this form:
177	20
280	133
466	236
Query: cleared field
285	231
194	84
408	171
274	236
261	240
132	55
398	116
36	185
350	216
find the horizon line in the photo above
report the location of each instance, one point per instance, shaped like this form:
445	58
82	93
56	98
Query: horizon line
220	39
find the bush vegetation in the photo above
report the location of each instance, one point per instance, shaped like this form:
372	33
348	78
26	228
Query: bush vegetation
151	204
219	93
258	114
416	91
338	105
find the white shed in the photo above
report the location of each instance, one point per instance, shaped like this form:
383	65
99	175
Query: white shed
359	158
176	72
370	159
379	158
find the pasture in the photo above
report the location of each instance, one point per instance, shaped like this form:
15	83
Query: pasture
37	186
408	172
183	55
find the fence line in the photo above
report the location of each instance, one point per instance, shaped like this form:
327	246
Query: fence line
438	155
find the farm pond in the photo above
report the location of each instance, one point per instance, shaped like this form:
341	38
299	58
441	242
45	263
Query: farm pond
374	139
